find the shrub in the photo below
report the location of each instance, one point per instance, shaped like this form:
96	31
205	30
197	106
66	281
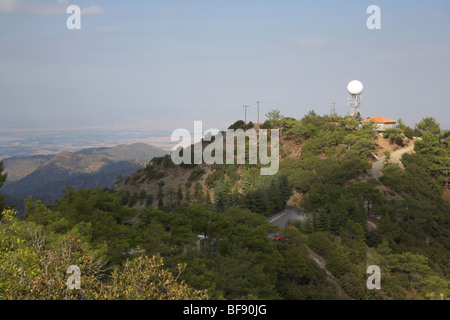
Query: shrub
196	173
395	135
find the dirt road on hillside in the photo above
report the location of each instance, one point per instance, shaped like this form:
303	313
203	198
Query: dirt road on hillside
396	157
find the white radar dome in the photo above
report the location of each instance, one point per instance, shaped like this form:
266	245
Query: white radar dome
355	87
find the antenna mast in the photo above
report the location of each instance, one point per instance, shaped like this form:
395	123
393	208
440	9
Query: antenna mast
355	88
354	105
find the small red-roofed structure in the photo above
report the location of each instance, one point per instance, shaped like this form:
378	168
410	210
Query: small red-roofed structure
382	123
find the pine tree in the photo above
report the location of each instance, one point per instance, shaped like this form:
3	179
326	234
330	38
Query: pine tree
207	197
188	195
285	188
160	197
133	199
179	195
125	198
220	202
149	200
198	191
171	193
142	194
321	220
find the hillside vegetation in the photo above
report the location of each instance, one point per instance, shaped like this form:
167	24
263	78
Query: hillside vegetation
398	220
45	177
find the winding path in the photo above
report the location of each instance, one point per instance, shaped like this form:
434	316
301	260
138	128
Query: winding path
396	157
289	214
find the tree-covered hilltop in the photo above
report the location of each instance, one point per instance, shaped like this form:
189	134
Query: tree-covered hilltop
370	198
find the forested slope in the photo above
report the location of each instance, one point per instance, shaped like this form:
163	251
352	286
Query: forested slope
399	222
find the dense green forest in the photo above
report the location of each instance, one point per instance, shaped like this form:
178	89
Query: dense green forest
118	246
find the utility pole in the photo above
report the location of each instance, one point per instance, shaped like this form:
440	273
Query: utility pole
258	102
245	107
333	110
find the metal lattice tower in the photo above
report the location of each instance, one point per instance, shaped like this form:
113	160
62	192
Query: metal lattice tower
354	105
355	88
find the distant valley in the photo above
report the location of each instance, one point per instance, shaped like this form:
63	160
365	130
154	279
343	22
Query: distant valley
44	177
32	142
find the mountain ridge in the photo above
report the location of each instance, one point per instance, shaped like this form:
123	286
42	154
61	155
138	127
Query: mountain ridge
396	219
45	177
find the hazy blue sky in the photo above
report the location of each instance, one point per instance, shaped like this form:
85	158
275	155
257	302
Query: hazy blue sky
161	64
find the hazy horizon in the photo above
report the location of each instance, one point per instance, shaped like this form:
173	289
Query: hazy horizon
161	65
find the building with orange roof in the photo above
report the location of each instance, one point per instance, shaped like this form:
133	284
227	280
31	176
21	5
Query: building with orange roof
382	123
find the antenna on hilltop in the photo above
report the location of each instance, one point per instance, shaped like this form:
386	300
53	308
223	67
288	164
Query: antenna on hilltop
333	110
355	88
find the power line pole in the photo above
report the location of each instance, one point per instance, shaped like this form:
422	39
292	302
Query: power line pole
258	102
245	107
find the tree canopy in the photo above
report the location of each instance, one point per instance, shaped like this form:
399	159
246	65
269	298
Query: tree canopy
213	240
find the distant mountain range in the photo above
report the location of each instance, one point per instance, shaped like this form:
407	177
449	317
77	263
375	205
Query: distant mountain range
44	177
